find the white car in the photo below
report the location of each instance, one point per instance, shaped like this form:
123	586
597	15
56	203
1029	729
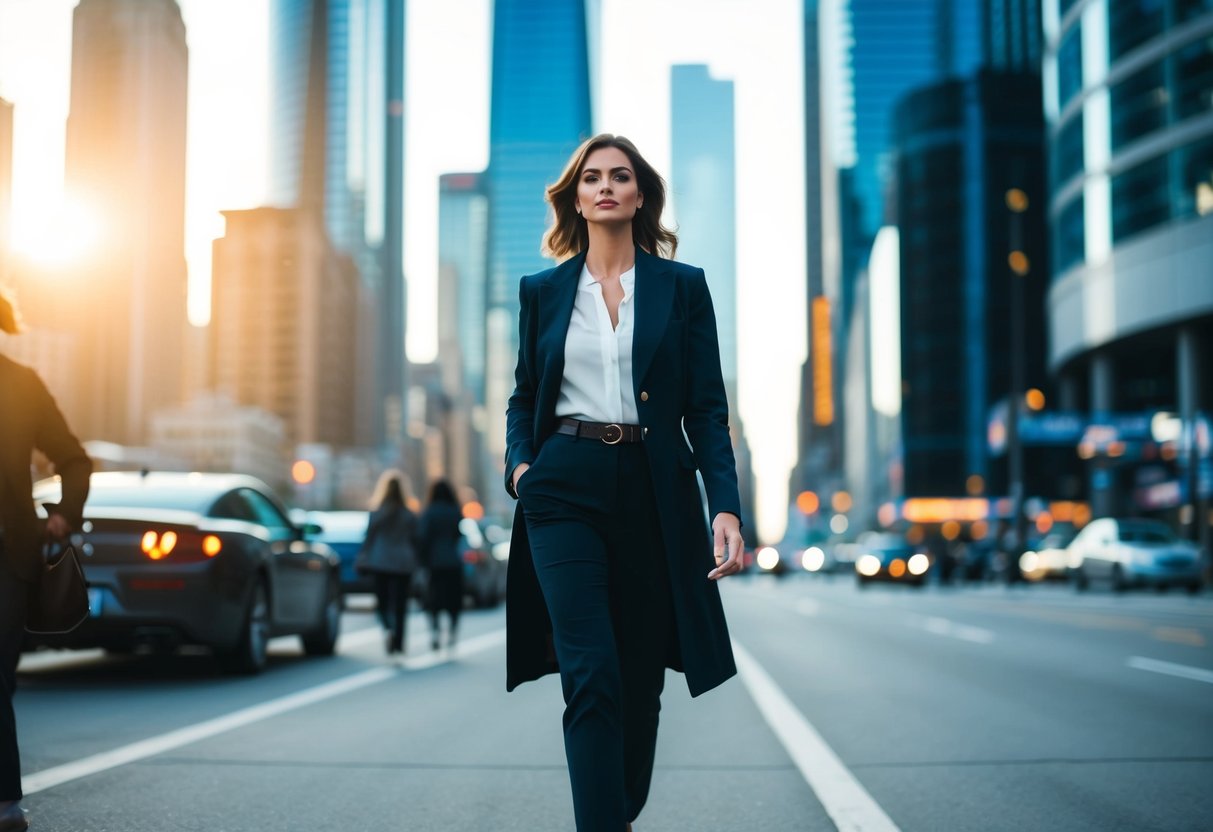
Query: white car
1133	552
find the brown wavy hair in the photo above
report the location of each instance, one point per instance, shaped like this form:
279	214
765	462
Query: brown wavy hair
569	233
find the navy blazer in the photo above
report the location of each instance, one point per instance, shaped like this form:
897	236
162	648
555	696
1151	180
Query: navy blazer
678	387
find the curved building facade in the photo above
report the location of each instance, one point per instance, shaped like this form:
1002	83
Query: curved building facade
1129	103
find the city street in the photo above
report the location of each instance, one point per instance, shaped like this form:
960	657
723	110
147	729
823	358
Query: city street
942	709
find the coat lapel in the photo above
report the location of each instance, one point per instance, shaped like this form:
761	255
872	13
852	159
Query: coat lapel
654	296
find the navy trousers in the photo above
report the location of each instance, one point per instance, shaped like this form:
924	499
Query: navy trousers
595	537
13	597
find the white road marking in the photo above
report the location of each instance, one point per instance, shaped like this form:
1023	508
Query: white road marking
950	629
97	763
808	607
1183	671
846	801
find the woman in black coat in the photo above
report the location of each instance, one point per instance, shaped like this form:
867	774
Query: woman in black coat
440	537
29	419
612	574
389	554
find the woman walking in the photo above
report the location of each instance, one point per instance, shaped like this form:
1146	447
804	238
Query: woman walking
29	419
612	570
389	554
440	537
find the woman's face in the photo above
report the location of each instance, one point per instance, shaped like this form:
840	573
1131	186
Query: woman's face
607	190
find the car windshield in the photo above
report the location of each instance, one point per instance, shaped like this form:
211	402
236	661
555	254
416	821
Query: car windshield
1139	532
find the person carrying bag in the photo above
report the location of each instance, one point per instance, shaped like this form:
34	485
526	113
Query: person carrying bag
29	420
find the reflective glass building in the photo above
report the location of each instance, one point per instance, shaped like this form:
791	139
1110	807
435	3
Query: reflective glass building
1129	102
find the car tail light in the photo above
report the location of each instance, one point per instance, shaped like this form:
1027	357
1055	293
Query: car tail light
183	546
472	556
157	546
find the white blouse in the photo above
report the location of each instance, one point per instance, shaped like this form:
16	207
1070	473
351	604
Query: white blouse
597	385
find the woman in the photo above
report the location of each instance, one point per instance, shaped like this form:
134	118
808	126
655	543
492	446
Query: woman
440	552
389	554
29	419
611	570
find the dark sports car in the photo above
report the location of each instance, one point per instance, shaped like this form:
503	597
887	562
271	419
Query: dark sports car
199	559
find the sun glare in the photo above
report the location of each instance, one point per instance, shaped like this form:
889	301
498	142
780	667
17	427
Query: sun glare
60	231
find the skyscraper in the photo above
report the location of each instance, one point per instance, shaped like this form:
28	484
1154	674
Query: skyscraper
462	258
703	194
126	160
6	180
337	148
540	112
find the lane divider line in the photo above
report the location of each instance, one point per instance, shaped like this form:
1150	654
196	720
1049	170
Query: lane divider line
97	763
950	629
846	801
1183	671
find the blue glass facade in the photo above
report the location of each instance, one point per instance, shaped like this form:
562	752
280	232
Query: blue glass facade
540	113
702	191
462	258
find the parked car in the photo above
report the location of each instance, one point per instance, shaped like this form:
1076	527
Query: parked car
344	532
1048	558
198	559
882	556
1133	552
485	563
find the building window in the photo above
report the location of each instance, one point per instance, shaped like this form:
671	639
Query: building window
1069	231
1193	74
1195	170
1140	199
1069	66
1186	10
1067	151
1133	22
1064	7
1139	105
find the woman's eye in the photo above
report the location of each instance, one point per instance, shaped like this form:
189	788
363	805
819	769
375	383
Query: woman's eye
622	177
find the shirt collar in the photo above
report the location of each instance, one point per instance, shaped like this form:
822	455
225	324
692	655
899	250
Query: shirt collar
627	280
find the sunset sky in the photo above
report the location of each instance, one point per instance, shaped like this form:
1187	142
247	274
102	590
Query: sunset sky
755	44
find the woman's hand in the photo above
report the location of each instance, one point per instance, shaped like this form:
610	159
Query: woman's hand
57	528
726	531
519	470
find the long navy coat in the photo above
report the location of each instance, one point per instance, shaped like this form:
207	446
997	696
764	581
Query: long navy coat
678	385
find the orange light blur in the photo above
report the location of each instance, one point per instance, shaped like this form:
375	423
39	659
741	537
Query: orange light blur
149	541
950	530
473	510
413	504
1019	263
841	501
1116	449
1082	514
939	509
1034	399
1169	452
211	545
1044	522
897	568
1086	450
979	530
303	472
168	540
807	502
1017	200
915	535
974	485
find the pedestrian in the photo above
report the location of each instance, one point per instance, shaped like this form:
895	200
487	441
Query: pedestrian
29	420
389	554
612	575
440	537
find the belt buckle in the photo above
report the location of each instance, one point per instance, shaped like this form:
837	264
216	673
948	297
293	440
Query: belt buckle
612	430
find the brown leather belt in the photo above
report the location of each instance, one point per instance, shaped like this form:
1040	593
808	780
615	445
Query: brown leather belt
609	433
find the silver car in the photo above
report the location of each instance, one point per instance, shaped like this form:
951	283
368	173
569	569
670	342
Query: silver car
1128	553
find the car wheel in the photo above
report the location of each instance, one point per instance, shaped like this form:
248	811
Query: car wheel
1193	589
250	654
1081	583
1118	578
322	641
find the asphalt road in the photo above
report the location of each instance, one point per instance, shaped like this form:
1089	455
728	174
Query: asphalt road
876	709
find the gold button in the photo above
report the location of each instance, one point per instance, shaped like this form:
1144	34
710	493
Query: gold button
644	397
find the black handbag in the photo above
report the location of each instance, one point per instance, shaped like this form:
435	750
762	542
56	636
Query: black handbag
59	603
